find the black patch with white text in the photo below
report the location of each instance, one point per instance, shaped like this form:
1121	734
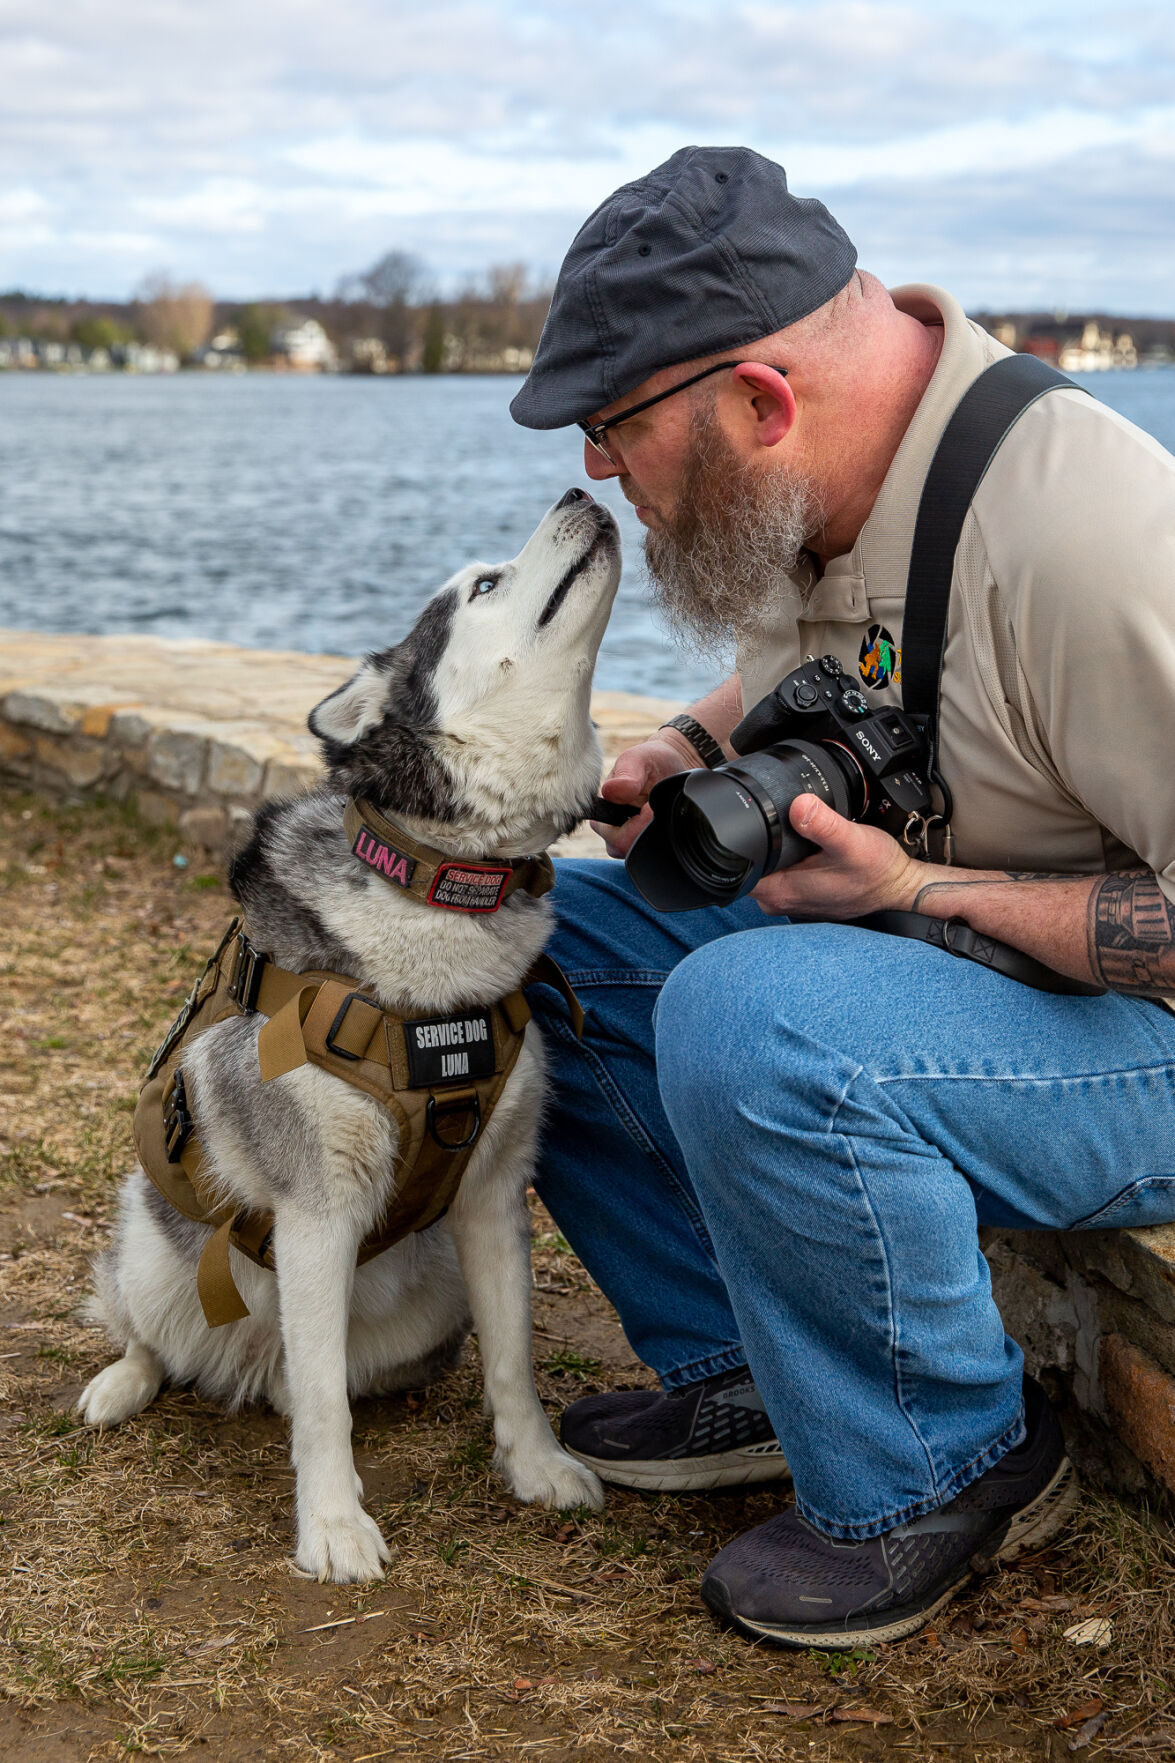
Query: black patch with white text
468	887
450	1049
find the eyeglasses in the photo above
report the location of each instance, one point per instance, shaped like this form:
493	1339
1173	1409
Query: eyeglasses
595	430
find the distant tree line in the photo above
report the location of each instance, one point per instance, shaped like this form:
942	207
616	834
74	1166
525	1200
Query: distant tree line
389	318
392	318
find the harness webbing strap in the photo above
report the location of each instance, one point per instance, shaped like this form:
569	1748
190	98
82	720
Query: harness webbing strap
220	1300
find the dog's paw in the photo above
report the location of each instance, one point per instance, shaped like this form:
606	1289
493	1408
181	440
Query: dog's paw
116	1393
553	1479
341	1547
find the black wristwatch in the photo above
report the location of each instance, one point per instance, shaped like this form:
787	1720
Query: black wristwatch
703	743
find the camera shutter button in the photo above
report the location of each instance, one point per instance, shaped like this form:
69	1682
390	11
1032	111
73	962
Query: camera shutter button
806	694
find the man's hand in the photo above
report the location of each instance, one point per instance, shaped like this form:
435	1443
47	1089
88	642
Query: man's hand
857	869
633	776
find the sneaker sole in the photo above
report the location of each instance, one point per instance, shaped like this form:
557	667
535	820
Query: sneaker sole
683	1475
1034	1525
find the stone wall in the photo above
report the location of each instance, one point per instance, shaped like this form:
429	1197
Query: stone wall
197	734
1095	1314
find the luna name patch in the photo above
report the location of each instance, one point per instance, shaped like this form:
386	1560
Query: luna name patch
449	1049
462	887
384	858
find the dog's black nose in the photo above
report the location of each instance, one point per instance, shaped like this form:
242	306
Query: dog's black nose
572	497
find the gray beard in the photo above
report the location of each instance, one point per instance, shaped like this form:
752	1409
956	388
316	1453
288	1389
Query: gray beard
719	574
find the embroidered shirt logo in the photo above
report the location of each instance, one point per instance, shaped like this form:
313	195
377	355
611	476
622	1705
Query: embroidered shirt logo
449	1049
462	887
384	858
880	662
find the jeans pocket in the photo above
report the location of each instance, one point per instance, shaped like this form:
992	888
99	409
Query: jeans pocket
1150	1201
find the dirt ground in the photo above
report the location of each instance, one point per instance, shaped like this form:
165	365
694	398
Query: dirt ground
151	1607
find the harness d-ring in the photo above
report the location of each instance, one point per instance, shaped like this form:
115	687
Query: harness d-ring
455	1107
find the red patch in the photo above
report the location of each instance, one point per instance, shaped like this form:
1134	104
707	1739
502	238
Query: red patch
468	887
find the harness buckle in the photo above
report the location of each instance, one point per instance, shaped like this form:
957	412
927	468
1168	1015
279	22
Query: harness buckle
457	1104
336	1026
245	983
178	1124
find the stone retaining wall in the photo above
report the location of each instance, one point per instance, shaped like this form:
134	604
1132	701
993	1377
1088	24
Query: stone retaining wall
197	734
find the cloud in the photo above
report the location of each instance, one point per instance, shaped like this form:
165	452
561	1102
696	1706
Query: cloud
266	147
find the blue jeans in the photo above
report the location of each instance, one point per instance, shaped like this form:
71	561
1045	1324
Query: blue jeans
775	1145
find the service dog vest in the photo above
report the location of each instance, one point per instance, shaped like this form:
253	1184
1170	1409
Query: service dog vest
439	1076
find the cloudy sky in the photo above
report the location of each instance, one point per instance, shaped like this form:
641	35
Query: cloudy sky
1020	151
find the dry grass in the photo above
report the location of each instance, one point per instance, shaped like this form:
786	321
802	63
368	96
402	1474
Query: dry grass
152	1607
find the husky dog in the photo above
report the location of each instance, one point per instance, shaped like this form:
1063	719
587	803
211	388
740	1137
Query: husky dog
475	734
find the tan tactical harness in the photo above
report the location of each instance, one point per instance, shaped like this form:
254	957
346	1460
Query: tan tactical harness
439	1076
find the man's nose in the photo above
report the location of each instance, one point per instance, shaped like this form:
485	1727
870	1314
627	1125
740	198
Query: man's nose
597	467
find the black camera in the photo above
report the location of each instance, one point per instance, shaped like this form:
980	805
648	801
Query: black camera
715	834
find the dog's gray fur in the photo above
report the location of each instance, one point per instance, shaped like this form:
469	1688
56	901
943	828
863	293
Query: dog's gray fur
474	733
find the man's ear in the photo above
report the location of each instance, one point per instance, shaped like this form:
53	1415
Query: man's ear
347	715
771	401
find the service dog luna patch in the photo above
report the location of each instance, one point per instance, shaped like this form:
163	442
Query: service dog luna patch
880	661
449	1049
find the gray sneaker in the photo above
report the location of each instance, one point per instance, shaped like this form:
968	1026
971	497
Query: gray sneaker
787	1583
712	1434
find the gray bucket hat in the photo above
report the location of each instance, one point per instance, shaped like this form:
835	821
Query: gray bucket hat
710	251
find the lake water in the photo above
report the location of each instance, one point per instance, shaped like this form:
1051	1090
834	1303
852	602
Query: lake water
308	513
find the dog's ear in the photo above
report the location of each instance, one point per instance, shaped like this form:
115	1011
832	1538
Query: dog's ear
351	712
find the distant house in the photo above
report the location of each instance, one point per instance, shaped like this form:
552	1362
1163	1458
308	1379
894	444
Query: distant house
1097	350
305	346
1045	347
368	355
223	351
145	358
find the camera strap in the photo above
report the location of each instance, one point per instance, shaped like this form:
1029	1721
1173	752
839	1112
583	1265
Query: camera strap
954	936
980	423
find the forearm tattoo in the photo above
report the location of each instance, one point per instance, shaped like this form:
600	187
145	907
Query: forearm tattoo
1130	933
1129	925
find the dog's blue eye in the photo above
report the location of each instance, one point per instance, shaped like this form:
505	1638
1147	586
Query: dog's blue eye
486	585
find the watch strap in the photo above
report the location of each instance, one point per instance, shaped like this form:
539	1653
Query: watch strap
702	742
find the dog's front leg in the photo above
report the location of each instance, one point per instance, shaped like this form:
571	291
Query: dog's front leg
315	1256
489	1226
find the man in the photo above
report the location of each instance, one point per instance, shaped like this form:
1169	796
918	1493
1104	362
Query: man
777	1140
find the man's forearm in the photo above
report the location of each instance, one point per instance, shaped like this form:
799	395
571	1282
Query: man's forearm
720	710
1117	930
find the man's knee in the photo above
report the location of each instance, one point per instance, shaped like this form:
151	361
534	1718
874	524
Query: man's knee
709	1032
743	1022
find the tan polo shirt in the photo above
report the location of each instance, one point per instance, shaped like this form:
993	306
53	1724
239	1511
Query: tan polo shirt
1058	687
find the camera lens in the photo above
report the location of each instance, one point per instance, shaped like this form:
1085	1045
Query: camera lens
705	859
714	834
